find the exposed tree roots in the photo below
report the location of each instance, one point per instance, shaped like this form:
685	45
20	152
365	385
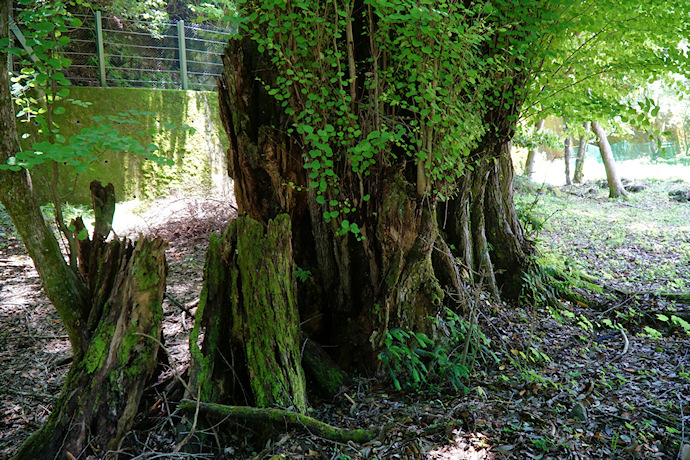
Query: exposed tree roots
282	418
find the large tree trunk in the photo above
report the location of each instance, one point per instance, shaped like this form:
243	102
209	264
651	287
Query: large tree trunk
581	153
391	270
616	188
358	289
532	152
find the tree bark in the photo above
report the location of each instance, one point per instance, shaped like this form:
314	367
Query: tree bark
512	251
581	153
101	395
391	264
532	153
251	339
567	152
616	188
389	273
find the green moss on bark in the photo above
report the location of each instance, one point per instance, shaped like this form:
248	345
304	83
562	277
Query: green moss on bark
248	314
270	309
279	418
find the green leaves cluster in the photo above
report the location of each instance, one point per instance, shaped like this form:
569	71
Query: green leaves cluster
594	68
392	82
404	357
42	79
675	321
84	148
432	79
415	361
531	139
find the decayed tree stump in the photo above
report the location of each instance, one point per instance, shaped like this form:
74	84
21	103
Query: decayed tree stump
248	316
120	339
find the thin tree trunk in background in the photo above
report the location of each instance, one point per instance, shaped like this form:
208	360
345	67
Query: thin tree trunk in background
616	188
566	156
62	285
581	153
532	153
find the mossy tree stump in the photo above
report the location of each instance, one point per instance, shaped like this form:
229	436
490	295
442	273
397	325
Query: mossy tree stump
104	387
115	345
249	353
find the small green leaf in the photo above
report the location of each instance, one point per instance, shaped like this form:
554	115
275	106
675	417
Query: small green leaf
83	234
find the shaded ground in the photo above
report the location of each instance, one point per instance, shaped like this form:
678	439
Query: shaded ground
569	384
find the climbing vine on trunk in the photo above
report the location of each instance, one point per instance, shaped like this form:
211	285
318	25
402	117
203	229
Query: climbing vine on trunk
357	119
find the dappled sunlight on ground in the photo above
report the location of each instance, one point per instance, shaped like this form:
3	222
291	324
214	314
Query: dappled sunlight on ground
33	347
467	446
13	291
640	244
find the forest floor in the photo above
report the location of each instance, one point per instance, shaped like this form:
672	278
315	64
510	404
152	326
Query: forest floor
601	378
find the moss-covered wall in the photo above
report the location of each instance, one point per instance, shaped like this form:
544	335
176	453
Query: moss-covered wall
199	158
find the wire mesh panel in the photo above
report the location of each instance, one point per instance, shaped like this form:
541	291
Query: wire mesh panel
624	150
81	50
143	54
134	56
204	50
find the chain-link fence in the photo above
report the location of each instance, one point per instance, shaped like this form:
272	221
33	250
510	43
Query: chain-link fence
669	152
108	51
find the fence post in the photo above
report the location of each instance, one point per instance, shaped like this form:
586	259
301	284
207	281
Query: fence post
99	47
20	37
183	54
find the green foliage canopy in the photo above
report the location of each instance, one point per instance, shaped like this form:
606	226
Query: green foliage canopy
607	51
376	84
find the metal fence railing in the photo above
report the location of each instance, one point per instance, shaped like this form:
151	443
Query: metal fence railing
108	51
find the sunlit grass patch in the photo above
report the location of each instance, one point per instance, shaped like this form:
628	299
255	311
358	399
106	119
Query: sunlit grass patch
640	244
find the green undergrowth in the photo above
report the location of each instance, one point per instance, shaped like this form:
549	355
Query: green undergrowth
416	362
641	244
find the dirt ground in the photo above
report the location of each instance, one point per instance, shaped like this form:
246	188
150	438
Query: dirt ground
578	383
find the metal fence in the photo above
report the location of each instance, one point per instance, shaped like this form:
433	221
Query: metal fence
668	152
108	51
